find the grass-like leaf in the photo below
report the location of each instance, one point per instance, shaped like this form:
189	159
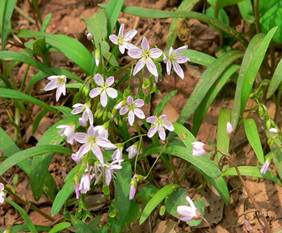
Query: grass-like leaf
198	57
276	80
156	200
112	10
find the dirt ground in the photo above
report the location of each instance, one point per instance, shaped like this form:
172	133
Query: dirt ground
239	216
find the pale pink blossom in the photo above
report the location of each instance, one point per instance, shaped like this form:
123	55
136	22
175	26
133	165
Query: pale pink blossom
85	182
265	167
188	212
103	89
117	155
123	39
2	193
198	148
133	187
159	124
93	141
68	131
57	82
145	56
133	150
173	59
133	108
110	169
229	128
87	114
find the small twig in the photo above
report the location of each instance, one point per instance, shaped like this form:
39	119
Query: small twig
22	13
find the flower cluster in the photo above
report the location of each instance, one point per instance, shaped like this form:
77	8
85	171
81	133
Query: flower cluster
96	152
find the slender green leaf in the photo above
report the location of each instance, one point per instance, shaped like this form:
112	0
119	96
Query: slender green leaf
164	102
112	10
46	22
153	13
223	3
250	171
211	96
59	227
277	159
253	138
198	57
222	137
209	77
29	153
8	147
24	215
251	63
276	80
6	15
186	5
246	11
156	200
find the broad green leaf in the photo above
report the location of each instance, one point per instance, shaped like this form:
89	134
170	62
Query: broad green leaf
121	201
59	227
186	5
112	10
97	26
246	11
271	11
156	200
28	59
252	134
6	15
203	163
276	80
222	137
66	191
222	16
209	77
153	13
160	107
250	171
251	63
223	3
211	96
178	197
40	164
29	153
198	57
24	215
8	148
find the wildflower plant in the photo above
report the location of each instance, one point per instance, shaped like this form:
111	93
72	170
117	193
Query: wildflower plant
115	140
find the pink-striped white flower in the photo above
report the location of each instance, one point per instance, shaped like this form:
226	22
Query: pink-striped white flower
265	167
87	114
133	150
132	107
110	169
85	182
173	59
67	131
198	148
229	128
159	124
93	141
122	39
57	82
145	56
188	212
104	89
2	193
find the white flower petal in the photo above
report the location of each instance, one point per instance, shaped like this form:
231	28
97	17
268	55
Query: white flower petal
98	153
131	118
151	119
152	131
112	92
145	44
77	108
181	59
139	113
122	48
178	70
95	92
121	30
84	149
139	103
104	98
61	90
135	53
123	110
80	137
155	53
90	116
99	80
151	67
108	176
51	85
129	35
162	134
139	66
105	143
181	49
114	39
168	67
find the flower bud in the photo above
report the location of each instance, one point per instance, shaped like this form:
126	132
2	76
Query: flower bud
133	187
198	148
97	57
229	128
273	130
265	167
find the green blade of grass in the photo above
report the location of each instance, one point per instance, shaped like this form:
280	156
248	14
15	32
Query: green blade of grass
251	63
198	57
156	200
113	10
209	77
276	80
